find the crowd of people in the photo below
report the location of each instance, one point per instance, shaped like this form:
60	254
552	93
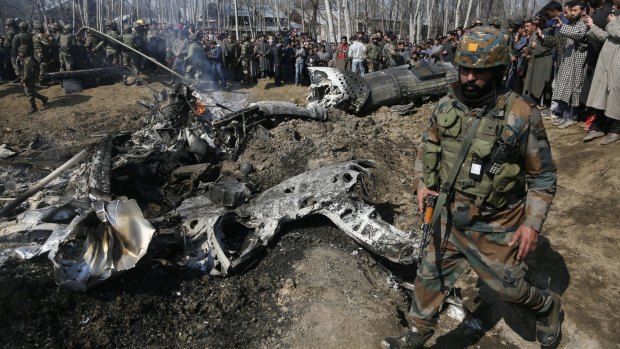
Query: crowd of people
555	56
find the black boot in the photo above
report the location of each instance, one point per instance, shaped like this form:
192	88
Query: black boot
33	109
43	100
548	324
410	340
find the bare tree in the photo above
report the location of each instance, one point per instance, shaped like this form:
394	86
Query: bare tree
330	21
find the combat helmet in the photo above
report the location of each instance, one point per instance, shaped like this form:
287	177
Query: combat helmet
515	21
23	26
108	23
495	22
56	26
37	25
68	28
482	47
23	49
126	27
10	22
476	23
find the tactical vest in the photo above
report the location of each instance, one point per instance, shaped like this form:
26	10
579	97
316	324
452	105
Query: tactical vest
65	42
128	39
453	126
109	47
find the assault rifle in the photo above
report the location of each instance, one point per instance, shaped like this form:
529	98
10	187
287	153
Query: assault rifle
429	207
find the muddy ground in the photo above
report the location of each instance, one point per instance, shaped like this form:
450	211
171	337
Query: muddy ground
314	287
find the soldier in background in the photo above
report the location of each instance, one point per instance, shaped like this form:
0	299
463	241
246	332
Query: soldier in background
24	37
54	47
11	31
40	43
30	78
111	52
245	58
374	54
67	46
495	22
94	50
129	57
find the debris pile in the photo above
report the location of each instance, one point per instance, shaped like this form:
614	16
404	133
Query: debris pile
92	221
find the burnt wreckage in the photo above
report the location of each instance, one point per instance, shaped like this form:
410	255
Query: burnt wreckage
90	230
357	94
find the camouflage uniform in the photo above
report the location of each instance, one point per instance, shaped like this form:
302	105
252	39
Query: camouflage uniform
392	54
67	45
130	59
54	47
94	46
41	44
30	78
483	211
246	59
374	55
111	53
24	38
11	31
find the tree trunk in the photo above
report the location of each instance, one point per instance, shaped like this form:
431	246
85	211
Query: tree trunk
457	14
445	18
330	22
347	19
469	6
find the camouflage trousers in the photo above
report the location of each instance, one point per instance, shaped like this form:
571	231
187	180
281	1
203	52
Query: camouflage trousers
66	61
489	256
43	64
111	59
32	93
130	60
17	66
247	70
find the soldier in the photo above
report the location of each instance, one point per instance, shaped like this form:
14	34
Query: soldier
495	22
111	52
67	45
476	23
179	50
94	48
374	54
11	31
195	59
54	47
41	43
30	78
129	57
487	152
22	38
392	54
245	58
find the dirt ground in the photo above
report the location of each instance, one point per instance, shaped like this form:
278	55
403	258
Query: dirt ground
314	287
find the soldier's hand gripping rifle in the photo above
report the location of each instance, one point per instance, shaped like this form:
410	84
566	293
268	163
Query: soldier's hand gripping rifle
427	216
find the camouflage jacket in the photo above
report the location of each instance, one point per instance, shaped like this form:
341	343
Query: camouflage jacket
528	205
374	52
40	44
31	72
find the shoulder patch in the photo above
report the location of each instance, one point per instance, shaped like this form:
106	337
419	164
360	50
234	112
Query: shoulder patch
521	107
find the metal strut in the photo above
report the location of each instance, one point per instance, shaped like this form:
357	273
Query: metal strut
150	59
